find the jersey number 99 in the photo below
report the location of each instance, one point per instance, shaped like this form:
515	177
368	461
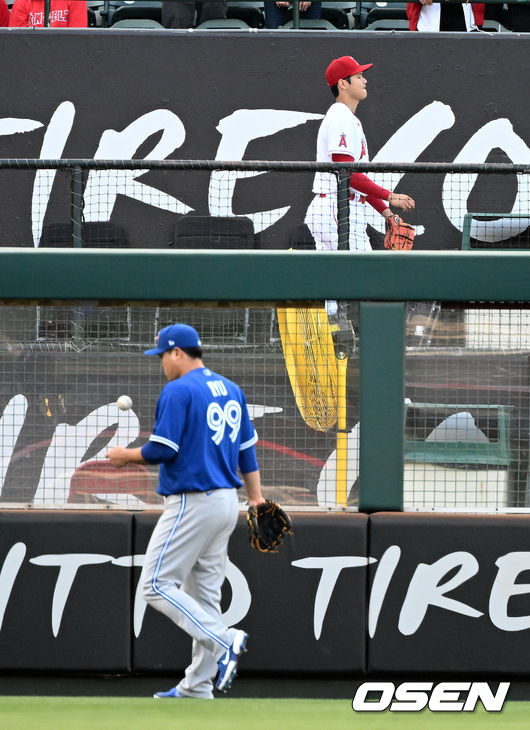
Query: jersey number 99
219	418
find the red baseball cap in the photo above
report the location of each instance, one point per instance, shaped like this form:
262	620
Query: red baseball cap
341	68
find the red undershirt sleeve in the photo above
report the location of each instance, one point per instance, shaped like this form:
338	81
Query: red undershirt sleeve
359	181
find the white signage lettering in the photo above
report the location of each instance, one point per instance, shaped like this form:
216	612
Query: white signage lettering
413	610
416	696
237	130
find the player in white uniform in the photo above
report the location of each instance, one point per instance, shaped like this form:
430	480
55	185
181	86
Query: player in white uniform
341	139
202	434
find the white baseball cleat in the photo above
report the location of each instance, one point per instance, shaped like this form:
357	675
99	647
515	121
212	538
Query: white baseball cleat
228	663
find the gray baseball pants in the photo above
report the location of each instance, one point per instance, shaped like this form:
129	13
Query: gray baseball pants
183	572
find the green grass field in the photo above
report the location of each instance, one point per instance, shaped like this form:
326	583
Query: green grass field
93	713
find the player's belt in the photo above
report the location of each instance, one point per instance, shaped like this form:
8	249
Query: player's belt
362	198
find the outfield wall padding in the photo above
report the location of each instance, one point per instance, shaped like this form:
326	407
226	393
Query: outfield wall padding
350	594
65	595
278	599
457	596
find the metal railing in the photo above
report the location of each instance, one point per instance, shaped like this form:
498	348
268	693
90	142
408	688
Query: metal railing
381	281
342	171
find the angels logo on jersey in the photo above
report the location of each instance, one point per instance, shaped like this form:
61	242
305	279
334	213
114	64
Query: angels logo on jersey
343	142
363	149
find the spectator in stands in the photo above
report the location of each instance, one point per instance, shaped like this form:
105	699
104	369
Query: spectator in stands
63	14
190	15
279	13
4	13
445	15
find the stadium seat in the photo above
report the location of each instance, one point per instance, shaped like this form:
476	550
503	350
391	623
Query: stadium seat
105	11
92	20
54	323
223	24
353	10
205	231
133	10
516	235
493	26
310	24
388	24
95	235
249	12
301	238
340	14
372	11
136	23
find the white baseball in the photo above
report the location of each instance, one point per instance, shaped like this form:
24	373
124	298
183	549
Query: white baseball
124	402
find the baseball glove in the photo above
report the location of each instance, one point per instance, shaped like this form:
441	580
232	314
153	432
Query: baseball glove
267	526
399	235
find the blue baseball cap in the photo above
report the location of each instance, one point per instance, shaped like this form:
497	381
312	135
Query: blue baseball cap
176	335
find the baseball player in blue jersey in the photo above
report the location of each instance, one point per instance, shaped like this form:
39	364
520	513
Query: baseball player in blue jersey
202	433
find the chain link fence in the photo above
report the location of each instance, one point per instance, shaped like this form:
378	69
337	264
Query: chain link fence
466	380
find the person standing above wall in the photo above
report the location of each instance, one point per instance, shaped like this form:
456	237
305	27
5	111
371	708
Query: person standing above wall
341	139
4	14
63	14
431	16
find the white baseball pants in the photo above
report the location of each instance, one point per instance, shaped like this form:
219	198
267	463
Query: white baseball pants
321	219
183	572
